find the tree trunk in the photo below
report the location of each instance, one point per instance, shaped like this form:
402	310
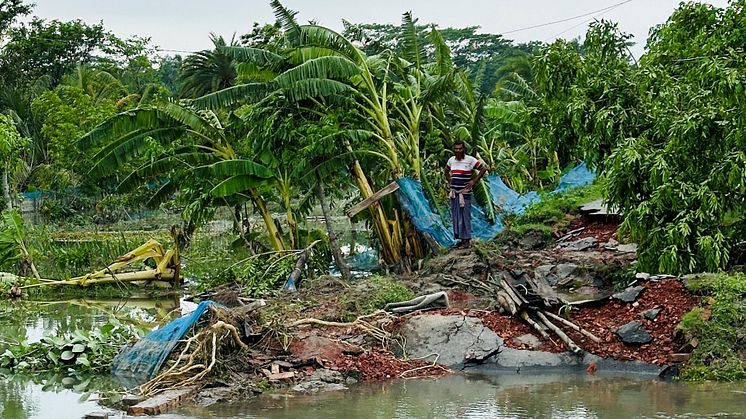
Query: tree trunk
275	239
6	191
333	239
380	223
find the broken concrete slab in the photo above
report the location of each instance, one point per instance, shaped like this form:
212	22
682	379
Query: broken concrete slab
627	248
580	245
629	295
634	333
323	380
597	207
162	402
456	339
527	362
528	340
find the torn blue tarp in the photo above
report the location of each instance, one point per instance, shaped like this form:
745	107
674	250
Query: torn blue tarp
578	176
138	363
507	200
426	221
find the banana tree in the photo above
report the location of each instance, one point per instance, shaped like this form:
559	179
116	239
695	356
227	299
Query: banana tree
13	240
388	92
195	152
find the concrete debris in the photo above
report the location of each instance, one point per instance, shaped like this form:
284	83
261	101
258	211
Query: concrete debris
580	245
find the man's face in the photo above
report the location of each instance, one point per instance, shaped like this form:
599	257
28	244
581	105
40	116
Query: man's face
458	150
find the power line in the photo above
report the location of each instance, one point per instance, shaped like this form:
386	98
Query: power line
608	9
605	9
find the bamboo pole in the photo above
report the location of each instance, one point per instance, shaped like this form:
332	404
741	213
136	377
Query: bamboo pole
534	324
574	327
557	331
84	281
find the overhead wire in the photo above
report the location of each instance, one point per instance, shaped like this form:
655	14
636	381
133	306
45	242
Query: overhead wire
608	9
541	25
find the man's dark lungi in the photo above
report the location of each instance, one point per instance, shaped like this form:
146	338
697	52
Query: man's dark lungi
461	217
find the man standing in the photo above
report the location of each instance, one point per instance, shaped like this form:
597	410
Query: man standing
459	173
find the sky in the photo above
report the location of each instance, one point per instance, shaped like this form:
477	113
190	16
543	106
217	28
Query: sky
185	25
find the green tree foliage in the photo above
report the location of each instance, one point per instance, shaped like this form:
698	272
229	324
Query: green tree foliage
70	112
480	54
10	11
681	179
42	48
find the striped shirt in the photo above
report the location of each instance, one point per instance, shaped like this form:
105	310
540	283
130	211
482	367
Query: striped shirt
462	170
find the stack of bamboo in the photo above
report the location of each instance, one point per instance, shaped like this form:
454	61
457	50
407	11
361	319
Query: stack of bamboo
524	300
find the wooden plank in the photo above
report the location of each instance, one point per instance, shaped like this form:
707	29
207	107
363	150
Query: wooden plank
360	206
162	402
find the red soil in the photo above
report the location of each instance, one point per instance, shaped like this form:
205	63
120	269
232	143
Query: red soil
378	364
602	229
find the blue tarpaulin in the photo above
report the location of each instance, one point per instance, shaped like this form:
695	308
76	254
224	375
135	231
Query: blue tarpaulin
413	201
578	176
507	200
426	221
138	363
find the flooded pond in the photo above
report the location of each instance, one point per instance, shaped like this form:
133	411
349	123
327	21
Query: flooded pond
509	395
503	396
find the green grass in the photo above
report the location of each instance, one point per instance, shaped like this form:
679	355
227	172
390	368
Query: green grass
553	213
719	327
552	209
372	294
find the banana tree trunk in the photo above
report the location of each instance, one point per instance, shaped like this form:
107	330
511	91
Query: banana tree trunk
275	239
391	254
6	190
333	239
292	224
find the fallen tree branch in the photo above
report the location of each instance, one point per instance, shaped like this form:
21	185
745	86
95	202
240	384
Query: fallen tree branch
375	332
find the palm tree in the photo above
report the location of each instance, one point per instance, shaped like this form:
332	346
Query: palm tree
209	70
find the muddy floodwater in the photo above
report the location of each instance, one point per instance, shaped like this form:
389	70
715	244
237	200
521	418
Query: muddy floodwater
507	395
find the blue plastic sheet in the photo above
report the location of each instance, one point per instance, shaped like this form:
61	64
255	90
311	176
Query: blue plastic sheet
426	221
138	363
578	176
481	227
507	200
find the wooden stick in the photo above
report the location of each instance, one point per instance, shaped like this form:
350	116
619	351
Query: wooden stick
512	293
535	325
574	327
557	331
360	206
506	302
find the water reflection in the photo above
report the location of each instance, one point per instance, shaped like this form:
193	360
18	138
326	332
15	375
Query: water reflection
49	395
504	396
29	320
54	395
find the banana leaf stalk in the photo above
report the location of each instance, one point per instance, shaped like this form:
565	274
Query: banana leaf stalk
167	263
